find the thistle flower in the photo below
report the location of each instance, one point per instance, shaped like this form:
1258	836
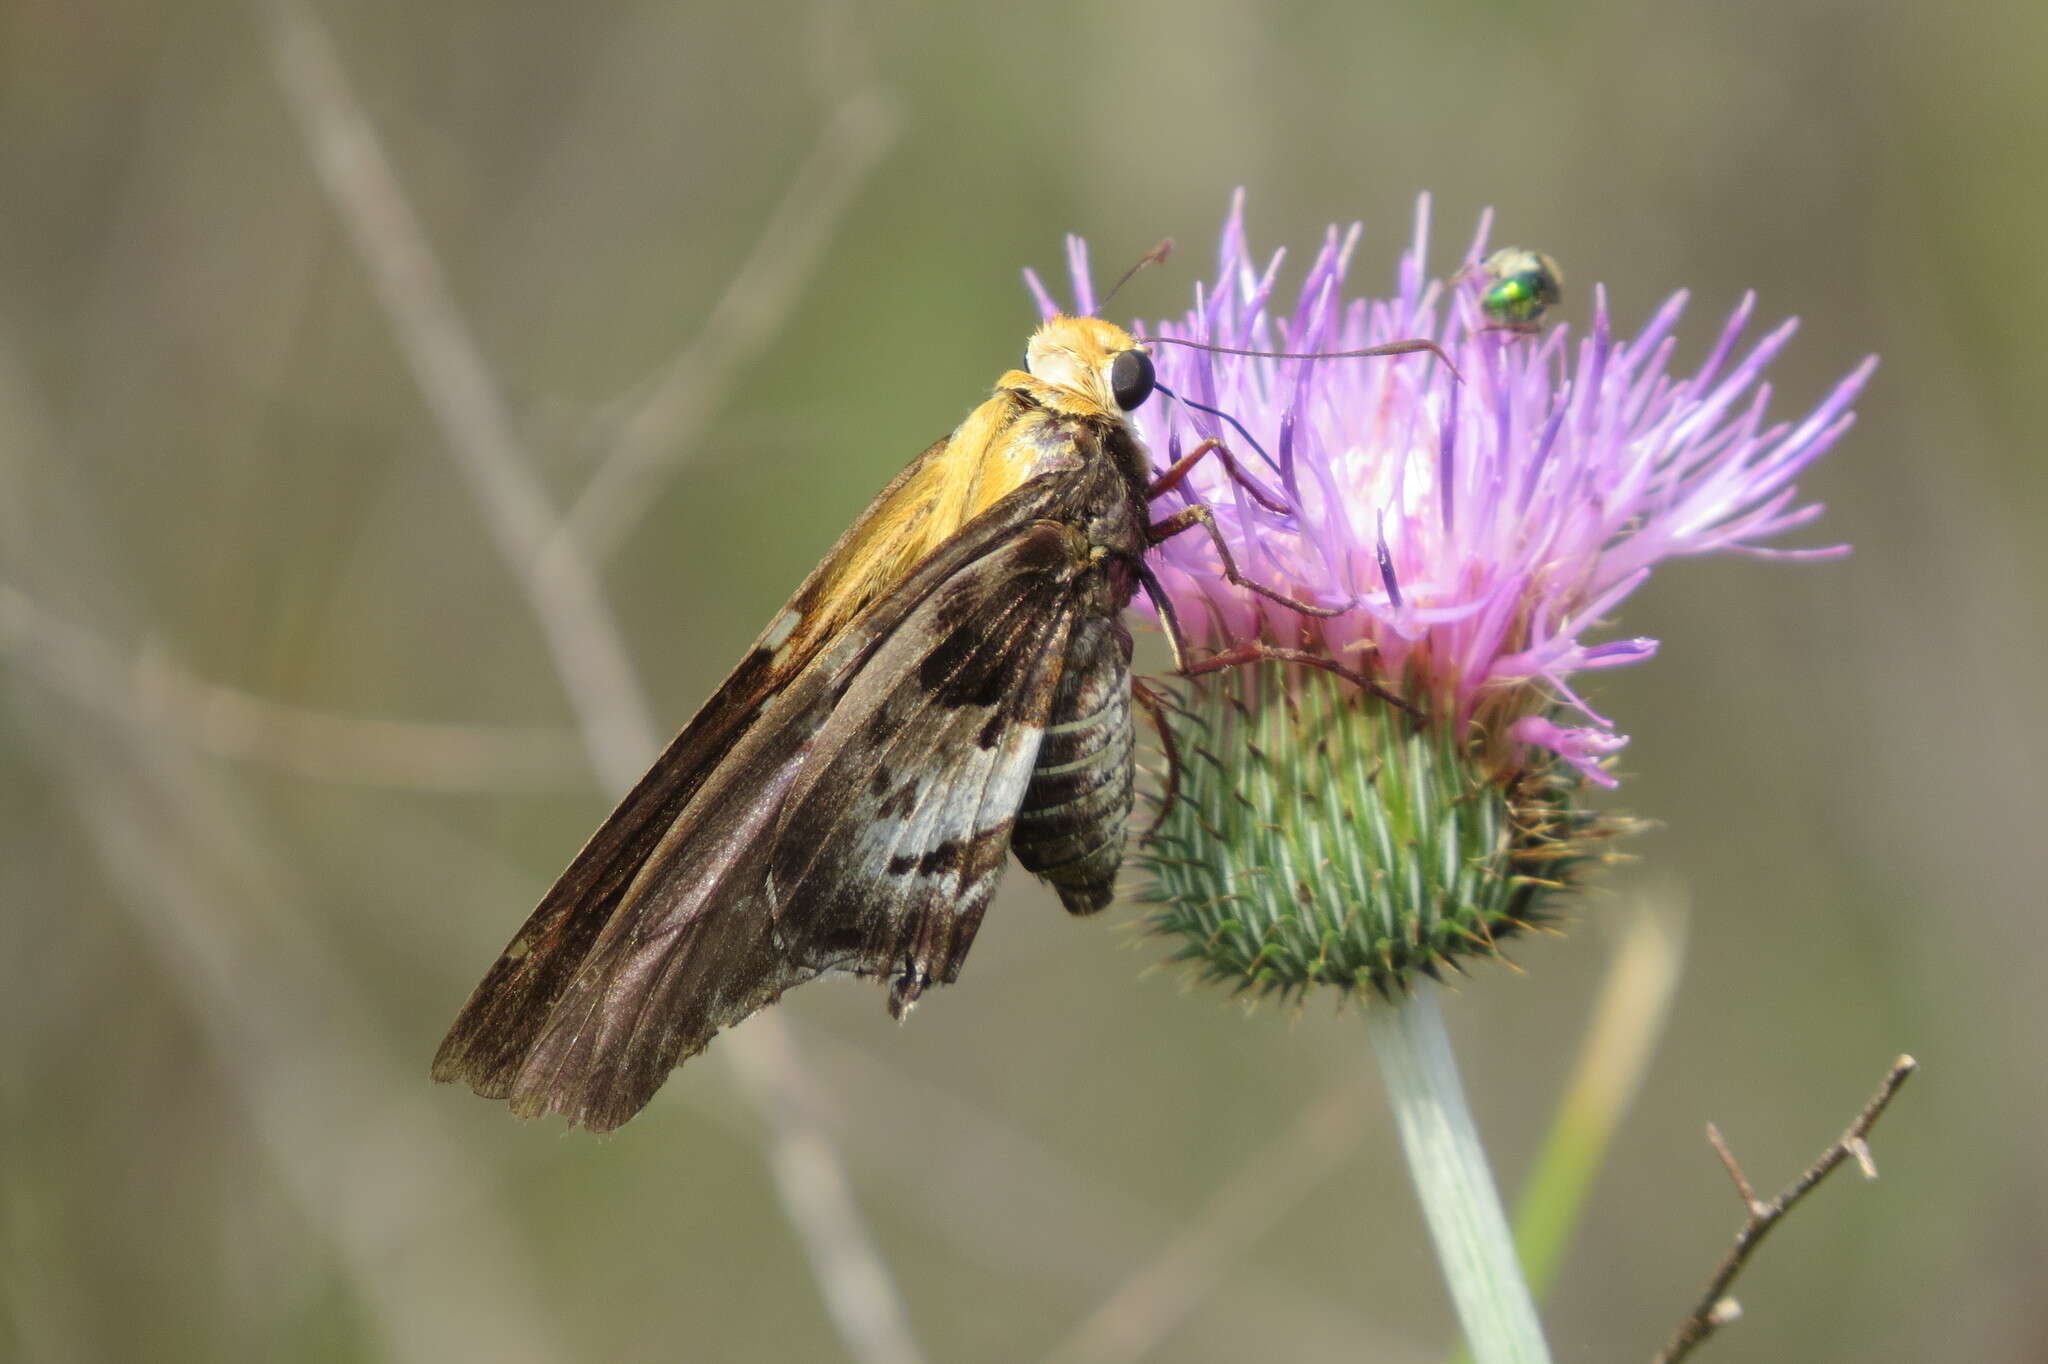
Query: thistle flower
1470	532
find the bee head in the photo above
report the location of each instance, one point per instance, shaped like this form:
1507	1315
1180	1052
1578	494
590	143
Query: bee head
1521	285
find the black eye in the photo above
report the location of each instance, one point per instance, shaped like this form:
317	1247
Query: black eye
1131	378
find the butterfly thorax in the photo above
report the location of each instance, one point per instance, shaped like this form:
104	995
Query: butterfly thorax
1053	419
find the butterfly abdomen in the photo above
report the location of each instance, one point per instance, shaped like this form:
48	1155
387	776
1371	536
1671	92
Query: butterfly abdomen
1070	829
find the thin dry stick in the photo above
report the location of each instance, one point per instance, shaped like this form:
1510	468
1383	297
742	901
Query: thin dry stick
854	1278
1048	1220
568	602
564	594
228	722
660	432
1159	1295
293	1041
1715	1309
361	1177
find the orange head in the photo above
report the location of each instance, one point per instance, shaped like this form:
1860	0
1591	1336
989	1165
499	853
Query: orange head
1087	367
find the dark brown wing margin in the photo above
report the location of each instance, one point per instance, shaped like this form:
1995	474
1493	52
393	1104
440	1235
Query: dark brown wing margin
496	1028
788	866
494	1039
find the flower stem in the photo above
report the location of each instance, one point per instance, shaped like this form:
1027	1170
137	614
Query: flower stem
1451	1178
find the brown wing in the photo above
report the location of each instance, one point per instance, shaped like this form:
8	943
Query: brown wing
956	483
496	1028
861	825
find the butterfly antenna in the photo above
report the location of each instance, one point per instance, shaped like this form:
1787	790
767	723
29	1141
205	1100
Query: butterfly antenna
1410	347
1156	256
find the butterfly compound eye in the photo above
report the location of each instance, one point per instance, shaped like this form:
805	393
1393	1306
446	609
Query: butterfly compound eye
1131	378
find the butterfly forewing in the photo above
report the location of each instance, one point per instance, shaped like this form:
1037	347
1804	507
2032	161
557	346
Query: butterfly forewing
793	860
886	859
847	800
496	1029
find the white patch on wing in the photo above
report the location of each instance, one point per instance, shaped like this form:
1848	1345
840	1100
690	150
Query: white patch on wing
779	633
1012	776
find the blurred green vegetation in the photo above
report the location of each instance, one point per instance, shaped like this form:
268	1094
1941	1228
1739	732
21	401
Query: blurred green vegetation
216	472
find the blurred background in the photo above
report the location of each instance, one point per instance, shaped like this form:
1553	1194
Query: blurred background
285	756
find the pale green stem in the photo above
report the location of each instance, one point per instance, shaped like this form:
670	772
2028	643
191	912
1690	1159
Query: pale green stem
1459	1200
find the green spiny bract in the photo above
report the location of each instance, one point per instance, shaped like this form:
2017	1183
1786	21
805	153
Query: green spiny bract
1321	837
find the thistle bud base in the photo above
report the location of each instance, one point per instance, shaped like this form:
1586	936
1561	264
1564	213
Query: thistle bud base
1322	837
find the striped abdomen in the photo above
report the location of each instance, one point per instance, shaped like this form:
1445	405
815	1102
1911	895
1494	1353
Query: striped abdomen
1070	829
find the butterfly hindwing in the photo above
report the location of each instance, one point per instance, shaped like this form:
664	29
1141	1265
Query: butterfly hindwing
778	871
848	797
490	1039
893	839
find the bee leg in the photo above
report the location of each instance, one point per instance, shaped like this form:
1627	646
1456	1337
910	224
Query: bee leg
1199	515
1178	471
1240	654
1155	705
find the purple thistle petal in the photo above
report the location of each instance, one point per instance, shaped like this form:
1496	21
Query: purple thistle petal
1077	267
1046	306
1480	529
1582	748
1763	552
1388	579
1447	468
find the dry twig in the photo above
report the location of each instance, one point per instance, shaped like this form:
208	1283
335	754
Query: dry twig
1160	1294
293	1044
661	429
319	745
1715	1309
568	603
1049	1219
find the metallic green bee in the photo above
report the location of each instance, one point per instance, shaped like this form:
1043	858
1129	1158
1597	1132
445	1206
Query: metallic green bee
1521	285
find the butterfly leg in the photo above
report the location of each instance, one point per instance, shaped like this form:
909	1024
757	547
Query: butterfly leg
1178	471
1240	654
1198	515
1156	706
1169	618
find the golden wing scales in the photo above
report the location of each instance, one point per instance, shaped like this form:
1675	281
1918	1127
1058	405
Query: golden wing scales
789	878
848	796
896	531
